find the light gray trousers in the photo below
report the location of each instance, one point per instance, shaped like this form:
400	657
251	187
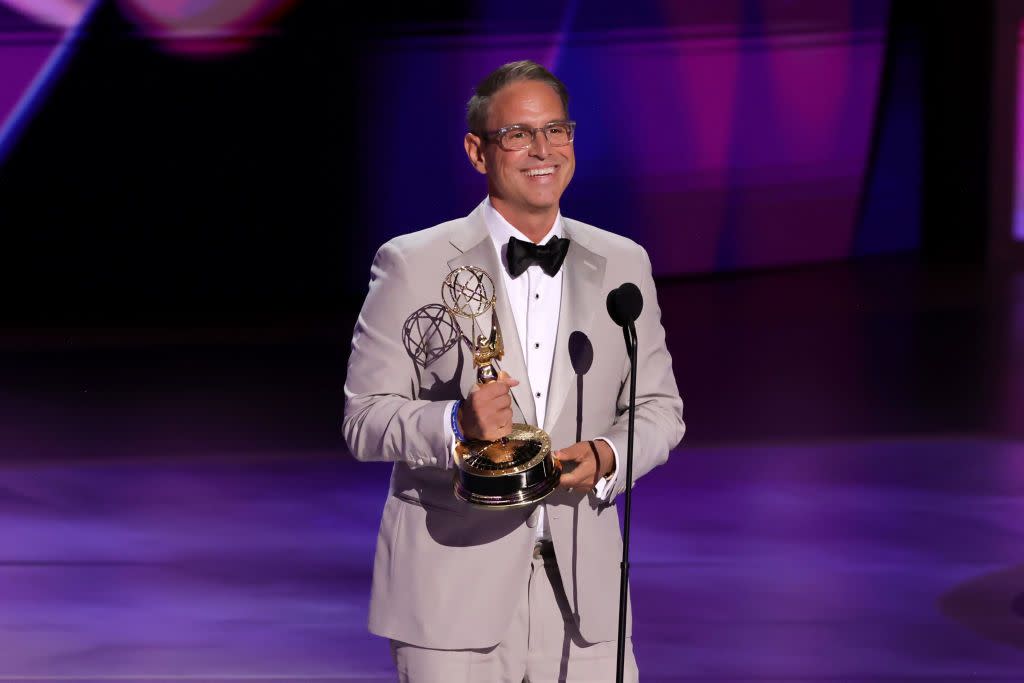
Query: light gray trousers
542	644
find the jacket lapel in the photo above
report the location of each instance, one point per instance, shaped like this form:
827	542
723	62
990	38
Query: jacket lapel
581	289
477	250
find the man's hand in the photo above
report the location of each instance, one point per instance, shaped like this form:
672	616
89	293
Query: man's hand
487	412
591	461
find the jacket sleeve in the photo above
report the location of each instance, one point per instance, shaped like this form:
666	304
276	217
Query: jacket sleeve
383	419
658	421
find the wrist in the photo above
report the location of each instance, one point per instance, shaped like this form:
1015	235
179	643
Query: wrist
605	458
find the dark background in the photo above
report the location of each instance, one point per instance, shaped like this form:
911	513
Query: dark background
150	187
205	225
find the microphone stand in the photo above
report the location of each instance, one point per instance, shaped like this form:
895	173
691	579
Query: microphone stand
629	333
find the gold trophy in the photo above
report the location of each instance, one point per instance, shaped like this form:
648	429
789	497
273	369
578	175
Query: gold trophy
518	469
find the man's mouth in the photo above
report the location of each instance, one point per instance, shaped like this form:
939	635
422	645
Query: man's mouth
534	172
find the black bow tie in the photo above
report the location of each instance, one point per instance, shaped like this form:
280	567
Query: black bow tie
521	255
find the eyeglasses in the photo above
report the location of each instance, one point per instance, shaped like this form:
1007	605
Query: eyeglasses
518	136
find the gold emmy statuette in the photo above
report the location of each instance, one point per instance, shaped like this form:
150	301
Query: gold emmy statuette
518	469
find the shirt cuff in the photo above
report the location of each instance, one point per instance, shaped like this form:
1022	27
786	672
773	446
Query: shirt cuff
605	485
449	435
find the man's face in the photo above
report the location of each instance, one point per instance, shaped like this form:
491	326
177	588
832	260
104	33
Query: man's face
531	180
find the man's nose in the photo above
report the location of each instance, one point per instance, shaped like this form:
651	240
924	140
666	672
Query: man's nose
539	146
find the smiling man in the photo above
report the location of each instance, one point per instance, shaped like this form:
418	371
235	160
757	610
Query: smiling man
523	593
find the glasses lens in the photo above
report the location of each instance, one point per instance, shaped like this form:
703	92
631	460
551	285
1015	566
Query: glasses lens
558	134
516	138
520	137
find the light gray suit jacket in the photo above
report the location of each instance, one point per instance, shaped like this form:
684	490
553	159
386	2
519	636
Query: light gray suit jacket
446	574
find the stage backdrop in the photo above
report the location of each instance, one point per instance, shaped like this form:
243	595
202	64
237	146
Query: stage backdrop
252	156
719	135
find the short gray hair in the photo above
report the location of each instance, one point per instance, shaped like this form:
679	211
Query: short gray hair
524	70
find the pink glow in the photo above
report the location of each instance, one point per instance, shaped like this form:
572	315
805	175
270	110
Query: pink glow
59	13
201	28
769	140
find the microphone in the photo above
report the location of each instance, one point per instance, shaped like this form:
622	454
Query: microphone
625	303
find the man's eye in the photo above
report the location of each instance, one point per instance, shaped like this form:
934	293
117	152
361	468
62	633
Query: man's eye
516	134
555	130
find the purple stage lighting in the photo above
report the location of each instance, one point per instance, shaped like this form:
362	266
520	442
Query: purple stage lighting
1018	200
36	37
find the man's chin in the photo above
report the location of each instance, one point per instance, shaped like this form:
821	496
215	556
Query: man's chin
533	203
543	201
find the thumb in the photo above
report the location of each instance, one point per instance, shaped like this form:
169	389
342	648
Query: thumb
507	378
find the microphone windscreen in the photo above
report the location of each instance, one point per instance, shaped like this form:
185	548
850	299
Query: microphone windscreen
625	303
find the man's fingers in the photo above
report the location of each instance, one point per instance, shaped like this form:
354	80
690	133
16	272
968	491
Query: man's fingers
579	470
569	480
577	479
498	411
507	379
491	389
489	409
570	454
497	424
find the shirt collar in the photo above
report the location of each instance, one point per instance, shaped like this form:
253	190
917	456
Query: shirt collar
500	230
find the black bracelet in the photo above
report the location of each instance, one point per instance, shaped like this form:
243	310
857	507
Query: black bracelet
459	436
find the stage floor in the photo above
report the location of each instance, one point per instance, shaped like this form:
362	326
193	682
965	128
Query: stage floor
854	561
176	502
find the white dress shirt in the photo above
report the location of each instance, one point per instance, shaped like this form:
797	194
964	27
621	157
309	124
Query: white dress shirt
536	300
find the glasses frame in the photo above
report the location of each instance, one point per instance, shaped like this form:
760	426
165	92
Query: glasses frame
497	135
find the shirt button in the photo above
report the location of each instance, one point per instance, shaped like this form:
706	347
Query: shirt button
536	296
538	394
536	345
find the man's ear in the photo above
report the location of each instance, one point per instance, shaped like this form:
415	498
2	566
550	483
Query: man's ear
475	151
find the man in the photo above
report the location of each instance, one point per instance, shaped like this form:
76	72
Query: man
528	593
